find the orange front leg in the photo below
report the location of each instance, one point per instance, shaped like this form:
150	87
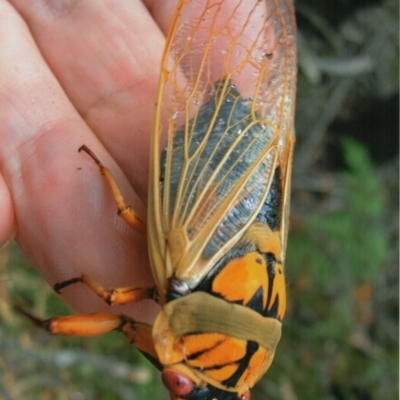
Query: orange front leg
137	333
113	296
124	210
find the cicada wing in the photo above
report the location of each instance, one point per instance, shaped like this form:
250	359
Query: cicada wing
224	121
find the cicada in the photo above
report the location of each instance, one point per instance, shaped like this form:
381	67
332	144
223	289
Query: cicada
219	191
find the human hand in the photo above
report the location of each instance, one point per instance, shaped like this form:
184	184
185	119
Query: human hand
76	73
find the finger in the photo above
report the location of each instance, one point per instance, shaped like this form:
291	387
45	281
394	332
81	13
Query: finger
162	12
106	55
7	222
65	214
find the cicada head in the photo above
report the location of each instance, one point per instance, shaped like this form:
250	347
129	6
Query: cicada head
209	348
182	387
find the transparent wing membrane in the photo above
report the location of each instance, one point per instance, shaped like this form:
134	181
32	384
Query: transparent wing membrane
224	122
208	165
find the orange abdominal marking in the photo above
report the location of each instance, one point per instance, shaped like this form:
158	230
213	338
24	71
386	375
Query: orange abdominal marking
226	352
242	277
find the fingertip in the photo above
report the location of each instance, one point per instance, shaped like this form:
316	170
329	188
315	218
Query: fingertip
7	218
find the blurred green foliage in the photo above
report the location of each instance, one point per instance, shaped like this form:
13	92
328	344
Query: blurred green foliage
335	266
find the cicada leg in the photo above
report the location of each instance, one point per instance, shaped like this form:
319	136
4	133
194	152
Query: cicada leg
112	296
124	210
137	333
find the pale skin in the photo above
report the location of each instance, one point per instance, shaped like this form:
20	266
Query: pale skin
73	73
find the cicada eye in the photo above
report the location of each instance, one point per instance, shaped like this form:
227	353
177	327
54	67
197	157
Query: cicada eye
246	396
177	382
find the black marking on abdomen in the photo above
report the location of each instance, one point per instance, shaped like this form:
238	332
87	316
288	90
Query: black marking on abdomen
252	347
271	210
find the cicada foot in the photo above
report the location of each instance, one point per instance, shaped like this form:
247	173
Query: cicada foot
137	333
124	210
112	296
